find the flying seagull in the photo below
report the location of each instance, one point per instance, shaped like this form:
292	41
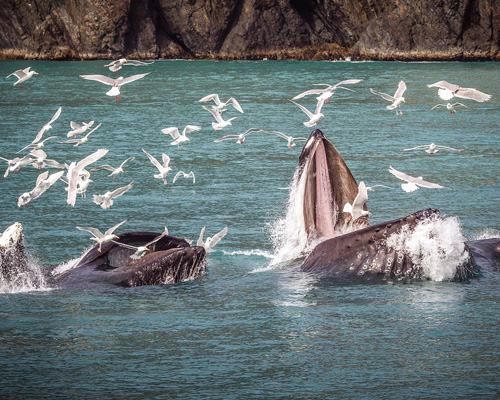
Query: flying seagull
239	138
412	182
432	148
290	139
396	100
220	105
313	118
22	75
183	174
106	200
114	171
141	250
117	65
210	242
327	92
164	169
115	83
448	90
450	107
99	237
178	138
356	208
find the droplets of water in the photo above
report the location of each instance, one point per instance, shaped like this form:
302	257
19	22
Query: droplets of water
19	272
436	245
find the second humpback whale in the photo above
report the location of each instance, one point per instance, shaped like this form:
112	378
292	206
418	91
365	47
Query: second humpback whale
397	249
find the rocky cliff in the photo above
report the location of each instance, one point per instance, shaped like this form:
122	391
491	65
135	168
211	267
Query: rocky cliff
251	29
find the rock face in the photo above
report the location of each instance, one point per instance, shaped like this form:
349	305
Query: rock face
251	29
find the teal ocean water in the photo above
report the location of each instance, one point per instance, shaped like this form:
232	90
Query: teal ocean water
252	327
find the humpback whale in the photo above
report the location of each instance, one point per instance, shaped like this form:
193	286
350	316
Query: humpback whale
169	260
352	249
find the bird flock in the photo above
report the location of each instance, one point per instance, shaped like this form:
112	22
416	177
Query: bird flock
76	174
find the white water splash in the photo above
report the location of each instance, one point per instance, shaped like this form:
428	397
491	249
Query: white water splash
254	252
21	273
289	234
487	233
437	245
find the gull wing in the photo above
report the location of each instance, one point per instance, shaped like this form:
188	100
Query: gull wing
38	154
166	160
217	237
412	179
472	94
42	177
214	97
177	175
445	85
94	231
227	137
447	148
305	110
55	164
280	134
55	177
191	128
133	78
100	78
55	116
360	200
383	95
136	63
347	82
400	90
121	190
319	106
106	167
172	131
235	104
215	113
424	146
112	229
159	237
74	125
126	246
309	92
248	131
20	73
126	161
438	105
91	158
199	242
153	160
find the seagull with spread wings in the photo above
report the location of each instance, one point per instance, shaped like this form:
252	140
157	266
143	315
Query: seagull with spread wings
163	169
219	105
432	148
115	66
115	83
99	237
413	183
396	100
210	242
328	91
179	139
290	139
239	138
313	118
114	171
106	200
142	250
22	75
356	209
449	90
450	107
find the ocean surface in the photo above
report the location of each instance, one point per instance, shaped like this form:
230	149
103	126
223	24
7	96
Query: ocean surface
253	327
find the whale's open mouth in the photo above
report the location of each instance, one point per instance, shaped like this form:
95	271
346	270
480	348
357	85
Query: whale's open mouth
329	186
11	235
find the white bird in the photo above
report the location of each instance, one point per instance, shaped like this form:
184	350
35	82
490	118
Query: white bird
412	182
239	138
22	75
41	160
164	169
210	242
356	209
80	141
44	129
114	171
77	129
450	107
141	250
39	145
372	188
16	163
219	105
313	118
290	139
117	65
115	83
221	123
99	237
432	148
178	138
187	176
76	169
106	200
448	90
328	91
396	100
43	182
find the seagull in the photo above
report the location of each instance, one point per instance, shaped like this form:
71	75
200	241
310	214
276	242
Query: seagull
313	118
209	244
44	129
412	182
43	182
99	237
41	160
291	140
221	123
22	75
77	129
82	140
239	138
219	105
75	170
117	65
164	169
326	93
106	200
432	148
448	90
178	138
37	146
16	163
115	83
372	188
187	176
83	182
396	100
141	250
356	209
450	107
114	171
